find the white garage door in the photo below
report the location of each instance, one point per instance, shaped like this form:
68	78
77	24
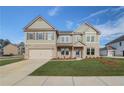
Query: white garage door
40	54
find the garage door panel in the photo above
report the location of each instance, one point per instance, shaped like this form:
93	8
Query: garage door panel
40	54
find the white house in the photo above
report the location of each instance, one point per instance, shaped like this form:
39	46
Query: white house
114	48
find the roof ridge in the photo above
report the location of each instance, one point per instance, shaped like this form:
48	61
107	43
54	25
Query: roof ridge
120	38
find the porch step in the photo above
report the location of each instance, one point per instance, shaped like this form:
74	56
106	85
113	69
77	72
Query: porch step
78	58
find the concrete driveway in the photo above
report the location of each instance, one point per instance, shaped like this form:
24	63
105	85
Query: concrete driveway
15	72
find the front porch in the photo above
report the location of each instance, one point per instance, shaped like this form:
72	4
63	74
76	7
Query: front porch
70	52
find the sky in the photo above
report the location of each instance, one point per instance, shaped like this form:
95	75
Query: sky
108	20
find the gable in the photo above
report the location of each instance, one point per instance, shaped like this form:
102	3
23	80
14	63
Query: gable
79	44
39	23
87	28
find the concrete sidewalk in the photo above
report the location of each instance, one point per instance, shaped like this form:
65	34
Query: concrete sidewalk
15	72
71	81
114	57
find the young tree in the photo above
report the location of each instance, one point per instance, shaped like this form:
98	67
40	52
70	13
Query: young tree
4	42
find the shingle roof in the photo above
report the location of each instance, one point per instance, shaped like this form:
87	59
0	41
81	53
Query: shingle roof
108	48
121	38
65	31
69	32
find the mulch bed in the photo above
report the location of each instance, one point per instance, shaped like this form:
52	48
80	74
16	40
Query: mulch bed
112	63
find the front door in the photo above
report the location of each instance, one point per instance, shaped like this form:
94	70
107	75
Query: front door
78	53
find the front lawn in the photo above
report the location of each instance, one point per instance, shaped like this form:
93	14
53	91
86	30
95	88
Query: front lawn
9	61
87	67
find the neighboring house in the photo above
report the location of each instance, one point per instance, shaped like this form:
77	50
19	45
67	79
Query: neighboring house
107	51
114	48
10	49
42	40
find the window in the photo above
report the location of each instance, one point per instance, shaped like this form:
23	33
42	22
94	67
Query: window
92	38
50	36
88	51
92	51
30	36
44	36
62	51
120	43
40	36
88	38
77	38
62	39
67	40
67	51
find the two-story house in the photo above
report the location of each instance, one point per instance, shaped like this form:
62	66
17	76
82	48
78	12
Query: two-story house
114	47
42	41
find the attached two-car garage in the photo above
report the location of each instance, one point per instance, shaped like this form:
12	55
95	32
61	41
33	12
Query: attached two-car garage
40	54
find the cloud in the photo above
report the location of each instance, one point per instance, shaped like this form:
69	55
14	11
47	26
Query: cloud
95	14
54	11
118	8
69	25
111	29
110	10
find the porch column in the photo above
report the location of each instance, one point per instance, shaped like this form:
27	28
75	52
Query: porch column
72	52
84	52
55	52
81	52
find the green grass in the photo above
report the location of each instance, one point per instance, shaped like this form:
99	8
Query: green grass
88	67
9	61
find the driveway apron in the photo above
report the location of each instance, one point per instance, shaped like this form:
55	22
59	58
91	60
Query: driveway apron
15	72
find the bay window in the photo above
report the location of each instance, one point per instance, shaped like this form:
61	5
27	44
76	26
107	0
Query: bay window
65	39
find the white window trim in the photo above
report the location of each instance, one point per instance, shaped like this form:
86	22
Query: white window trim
95	41
51	37
65	39
28	38
37	36
91	51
